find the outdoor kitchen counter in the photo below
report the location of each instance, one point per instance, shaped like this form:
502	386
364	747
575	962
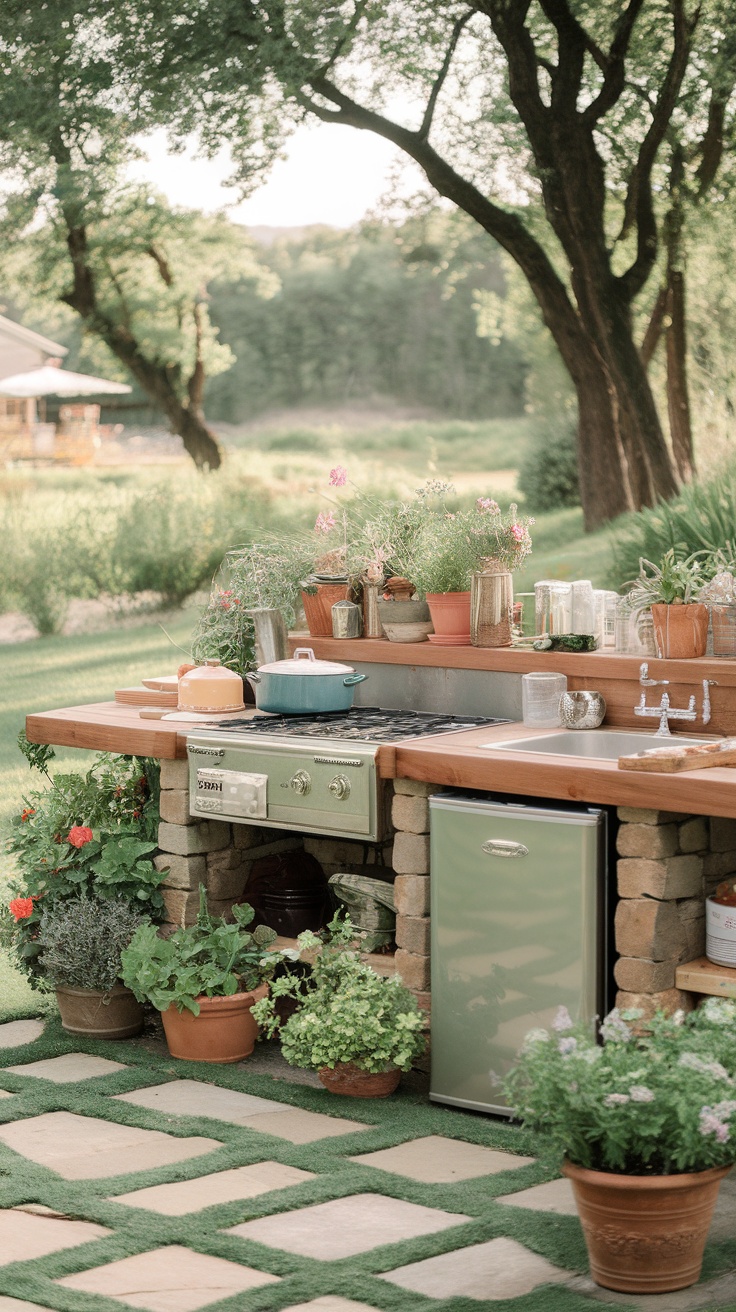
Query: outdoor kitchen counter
455	760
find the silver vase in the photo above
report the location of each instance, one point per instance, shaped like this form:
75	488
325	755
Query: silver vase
491	609
372	626
271	643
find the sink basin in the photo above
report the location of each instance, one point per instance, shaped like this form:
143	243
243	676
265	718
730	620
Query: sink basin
592	744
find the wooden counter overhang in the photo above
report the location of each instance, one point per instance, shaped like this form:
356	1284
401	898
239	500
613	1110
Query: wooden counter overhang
456	760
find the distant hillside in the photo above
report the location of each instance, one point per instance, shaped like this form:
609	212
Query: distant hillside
266	236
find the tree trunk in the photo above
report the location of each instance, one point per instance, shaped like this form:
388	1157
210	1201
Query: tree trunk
678	399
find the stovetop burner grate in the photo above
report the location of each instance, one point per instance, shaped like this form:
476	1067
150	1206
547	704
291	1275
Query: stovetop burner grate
362	723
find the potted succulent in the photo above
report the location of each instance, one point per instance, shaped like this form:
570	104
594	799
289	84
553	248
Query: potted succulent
81	941
204	979
358	1030
647	1126
671	589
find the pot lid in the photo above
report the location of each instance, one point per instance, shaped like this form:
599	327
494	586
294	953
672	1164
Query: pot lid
208	670
304	661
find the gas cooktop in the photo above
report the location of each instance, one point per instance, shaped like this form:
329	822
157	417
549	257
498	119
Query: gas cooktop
368	724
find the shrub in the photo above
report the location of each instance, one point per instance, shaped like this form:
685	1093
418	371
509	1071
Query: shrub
81	940
701	518
548	475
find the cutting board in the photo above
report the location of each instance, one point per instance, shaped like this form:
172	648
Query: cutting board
145	697
673	759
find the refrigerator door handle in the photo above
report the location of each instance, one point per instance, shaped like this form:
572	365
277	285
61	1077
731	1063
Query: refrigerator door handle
504	847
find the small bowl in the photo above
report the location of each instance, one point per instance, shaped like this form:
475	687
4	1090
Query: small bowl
416	632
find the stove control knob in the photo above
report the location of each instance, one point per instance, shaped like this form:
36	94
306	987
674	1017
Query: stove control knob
339	787
301	782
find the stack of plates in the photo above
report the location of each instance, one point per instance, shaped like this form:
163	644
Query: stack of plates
449	639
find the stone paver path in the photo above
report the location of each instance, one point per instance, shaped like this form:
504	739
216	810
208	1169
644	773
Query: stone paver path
83	1148
172	1279
437	1216
346	1226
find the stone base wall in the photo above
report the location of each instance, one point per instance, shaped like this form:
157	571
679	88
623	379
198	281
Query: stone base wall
668	863
220	856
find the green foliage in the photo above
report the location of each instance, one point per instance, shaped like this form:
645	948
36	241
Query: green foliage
548	473
451	546
37	755
655	1102
346	1012
701	519
81	941
672	580
88	834
210	958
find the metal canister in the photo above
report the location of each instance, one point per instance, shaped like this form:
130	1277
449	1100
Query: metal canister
347	620
372	626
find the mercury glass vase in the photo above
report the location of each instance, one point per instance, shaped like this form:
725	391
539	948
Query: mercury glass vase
491	606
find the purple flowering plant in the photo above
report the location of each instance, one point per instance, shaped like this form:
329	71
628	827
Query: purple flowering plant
635	1097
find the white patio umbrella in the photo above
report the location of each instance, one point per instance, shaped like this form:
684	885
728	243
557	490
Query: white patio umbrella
50	381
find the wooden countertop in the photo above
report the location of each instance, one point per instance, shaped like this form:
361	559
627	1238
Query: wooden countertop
456	759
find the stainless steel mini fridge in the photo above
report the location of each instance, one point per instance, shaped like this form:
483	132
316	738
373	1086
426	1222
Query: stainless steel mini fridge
518	906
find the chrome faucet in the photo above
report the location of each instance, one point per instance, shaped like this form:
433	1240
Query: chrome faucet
664	711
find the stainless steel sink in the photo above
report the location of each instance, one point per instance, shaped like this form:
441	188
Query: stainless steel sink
592	744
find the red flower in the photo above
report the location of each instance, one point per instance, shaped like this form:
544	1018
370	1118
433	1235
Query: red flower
136	815
27	812
79	835
21	908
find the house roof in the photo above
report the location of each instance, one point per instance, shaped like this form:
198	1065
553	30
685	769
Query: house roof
9	328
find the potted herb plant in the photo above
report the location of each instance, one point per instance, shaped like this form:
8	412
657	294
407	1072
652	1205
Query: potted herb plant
442	569
501	542
358	1030
81	941
647	1126
671	589
204	979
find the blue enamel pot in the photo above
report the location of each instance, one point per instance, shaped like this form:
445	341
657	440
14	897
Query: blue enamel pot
304	685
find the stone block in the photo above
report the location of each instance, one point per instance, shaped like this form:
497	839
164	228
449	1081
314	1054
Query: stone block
335	851
694	834
722	834
181	907
291	844
187	840
186	872
413	969
423	1001
413	788
223	884
411	895
653	841
672	877
412	933
245	836
228	858
220	907
174	807
695	935
637	975
718	865
174	774
410	814
633	816
411	854
668	1000
649	929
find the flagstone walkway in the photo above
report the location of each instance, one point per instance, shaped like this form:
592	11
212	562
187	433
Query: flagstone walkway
128	1179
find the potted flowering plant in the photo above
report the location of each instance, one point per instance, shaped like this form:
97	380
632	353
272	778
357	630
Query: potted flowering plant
502	541
358	1030
647	1126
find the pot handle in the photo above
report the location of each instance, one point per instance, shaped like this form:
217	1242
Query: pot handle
305	651
350	679
253	678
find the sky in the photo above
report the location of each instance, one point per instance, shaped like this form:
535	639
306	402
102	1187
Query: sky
331	175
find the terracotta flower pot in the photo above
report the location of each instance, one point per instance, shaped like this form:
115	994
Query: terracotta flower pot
318	606
223	1032
112	1015
349	1080
680	632
645	1233
450	613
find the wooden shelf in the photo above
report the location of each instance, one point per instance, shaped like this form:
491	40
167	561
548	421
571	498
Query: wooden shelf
703	976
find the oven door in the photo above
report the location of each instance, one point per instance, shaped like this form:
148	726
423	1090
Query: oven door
314	788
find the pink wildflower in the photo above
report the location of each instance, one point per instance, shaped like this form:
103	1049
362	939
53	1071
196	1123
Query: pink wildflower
324	522
487	503
517	532
338	476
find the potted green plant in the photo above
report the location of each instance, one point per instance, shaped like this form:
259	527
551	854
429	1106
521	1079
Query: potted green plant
647	1126
442	569
501	542
204	979
357	1029
671	589
81	941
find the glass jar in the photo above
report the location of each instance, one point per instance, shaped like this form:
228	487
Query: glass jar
540	698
